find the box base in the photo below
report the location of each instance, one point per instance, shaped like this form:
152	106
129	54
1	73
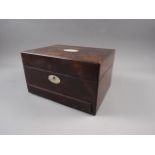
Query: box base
63	99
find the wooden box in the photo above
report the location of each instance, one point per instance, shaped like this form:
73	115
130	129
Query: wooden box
78	77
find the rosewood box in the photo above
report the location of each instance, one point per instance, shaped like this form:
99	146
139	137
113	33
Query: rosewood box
78	77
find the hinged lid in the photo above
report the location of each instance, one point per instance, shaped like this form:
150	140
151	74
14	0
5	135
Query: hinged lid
80	62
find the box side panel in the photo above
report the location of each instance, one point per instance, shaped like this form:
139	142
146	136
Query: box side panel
104	79
24	68
106	64
104	84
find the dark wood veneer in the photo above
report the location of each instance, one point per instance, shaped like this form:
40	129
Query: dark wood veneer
85	75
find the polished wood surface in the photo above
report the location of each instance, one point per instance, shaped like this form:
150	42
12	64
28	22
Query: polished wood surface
85	75
78	88
82	70
84	54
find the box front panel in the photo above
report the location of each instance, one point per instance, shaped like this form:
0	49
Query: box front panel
62	84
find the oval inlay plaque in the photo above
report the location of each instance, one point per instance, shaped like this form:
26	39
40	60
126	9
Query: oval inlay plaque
54	79
71	50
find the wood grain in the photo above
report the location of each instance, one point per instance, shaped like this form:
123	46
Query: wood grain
85	75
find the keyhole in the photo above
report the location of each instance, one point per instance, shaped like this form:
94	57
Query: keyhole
54	79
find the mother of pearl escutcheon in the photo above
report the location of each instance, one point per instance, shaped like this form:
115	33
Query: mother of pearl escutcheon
54	79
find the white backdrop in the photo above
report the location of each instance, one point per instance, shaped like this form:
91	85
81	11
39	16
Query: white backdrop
128	107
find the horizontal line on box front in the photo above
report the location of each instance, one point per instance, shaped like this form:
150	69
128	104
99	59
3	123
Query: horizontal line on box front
44	70
59	94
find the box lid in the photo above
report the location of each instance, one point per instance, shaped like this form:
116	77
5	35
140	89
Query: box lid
77	53
80	62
